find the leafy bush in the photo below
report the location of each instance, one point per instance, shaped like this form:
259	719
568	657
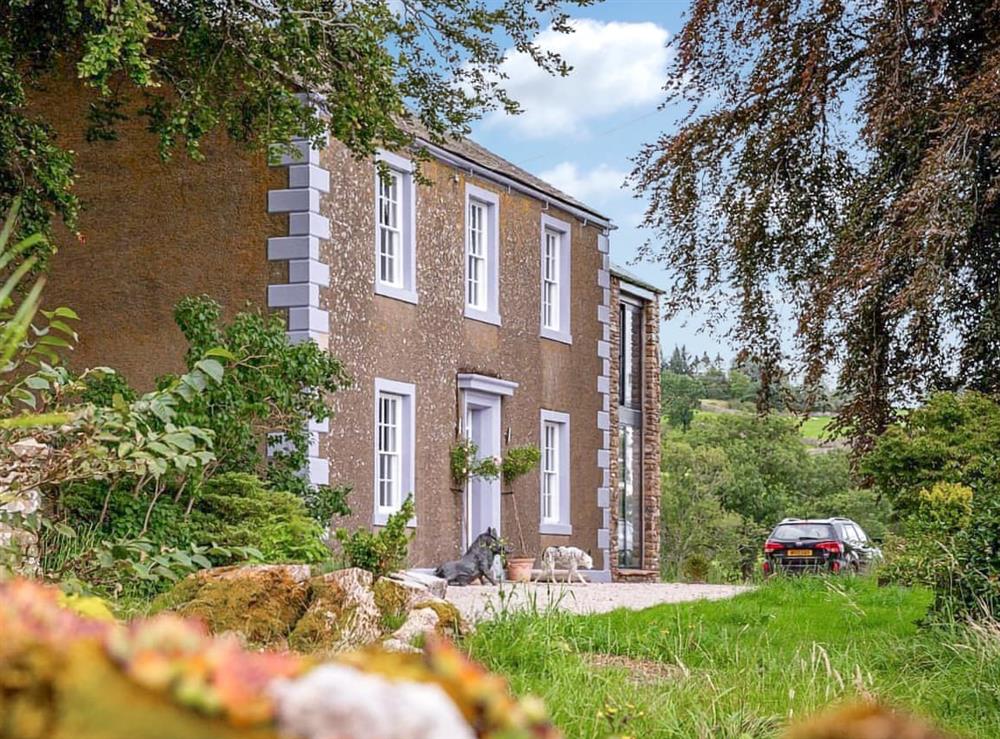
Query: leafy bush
952	438
940	467
695	568
228	510
924	554
383	551
271	387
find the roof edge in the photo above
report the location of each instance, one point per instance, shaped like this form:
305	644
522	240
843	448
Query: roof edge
625	276
463	162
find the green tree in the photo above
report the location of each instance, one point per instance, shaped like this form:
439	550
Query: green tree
953	438
378	68
837	163
680	396
679	362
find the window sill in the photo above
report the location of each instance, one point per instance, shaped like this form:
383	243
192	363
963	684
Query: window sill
555	529
396	293
382	518
561	336
483	316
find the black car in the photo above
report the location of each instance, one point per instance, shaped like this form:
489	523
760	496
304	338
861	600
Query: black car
818	545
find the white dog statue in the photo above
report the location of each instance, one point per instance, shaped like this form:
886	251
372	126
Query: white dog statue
571	559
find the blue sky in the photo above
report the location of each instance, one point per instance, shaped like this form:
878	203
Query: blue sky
580	132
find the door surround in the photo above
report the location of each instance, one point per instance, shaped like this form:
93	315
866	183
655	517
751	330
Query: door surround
481	406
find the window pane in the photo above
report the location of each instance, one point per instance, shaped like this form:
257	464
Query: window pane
550	473
629	498
630	356
550	281
389	437
390	218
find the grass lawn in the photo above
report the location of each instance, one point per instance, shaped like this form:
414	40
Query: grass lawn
814	427
741	668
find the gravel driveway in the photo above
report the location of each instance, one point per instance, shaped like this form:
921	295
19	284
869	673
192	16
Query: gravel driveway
477	602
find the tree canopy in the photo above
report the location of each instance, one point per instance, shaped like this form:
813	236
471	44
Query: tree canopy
197	66
838	161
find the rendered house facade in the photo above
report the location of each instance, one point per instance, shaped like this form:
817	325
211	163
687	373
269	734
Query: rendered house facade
479	304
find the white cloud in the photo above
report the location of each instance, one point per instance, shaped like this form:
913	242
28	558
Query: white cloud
616	66
597	185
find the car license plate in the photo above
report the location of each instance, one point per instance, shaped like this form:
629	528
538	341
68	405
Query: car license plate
800	552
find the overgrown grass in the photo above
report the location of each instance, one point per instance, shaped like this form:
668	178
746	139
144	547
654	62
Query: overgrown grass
742	668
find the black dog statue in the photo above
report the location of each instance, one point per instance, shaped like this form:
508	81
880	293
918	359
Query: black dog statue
476	563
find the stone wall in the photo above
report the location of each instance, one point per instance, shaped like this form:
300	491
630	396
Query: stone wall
650	436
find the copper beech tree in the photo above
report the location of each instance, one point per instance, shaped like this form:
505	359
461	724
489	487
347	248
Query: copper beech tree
837	161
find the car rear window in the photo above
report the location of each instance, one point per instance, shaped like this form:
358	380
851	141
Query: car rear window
795	531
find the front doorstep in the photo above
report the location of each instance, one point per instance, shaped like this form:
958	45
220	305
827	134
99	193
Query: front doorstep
631	575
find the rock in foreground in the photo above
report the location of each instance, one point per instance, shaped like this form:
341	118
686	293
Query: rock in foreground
64	676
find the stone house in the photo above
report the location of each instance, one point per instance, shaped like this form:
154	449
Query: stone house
480	302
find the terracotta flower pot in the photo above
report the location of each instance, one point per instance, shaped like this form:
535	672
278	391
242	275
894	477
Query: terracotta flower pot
519	568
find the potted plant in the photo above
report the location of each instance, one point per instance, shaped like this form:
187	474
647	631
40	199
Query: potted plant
519	461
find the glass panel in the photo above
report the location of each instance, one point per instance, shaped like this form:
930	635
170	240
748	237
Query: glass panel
476	276
630	356
389	220
389	443
550	473
629	498
550	281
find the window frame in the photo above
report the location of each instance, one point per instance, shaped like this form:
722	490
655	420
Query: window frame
406	443
489	312
405	288
561	231
560	523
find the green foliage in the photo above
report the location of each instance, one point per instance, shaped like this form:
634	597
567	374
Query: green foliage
230	510
466	464
951	438
271	387
695	567
382	67
680	396
239	510
519	461
940	468
383	551
732	476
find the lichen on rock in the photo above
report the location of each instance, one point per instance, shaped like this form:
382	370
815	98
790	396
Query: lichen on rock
450	621
341	614
396	597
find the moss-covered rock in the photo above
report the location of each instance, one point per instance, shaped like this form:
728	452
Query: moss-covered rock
396	598
341	615
450	622
262	604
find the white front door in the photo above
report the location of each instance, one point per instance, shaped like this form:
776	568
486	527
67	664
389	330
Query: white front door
482	497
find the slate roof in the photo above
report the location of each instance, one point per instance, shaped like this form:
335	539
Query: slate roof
468	149
626	276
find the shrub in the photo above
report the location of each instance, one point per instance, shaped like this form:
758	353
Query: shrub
240	510
229	510
383	551
271	386
695	568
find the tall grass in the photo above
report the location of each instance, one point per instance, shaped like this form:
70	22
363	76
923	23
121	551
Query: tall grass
743	668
